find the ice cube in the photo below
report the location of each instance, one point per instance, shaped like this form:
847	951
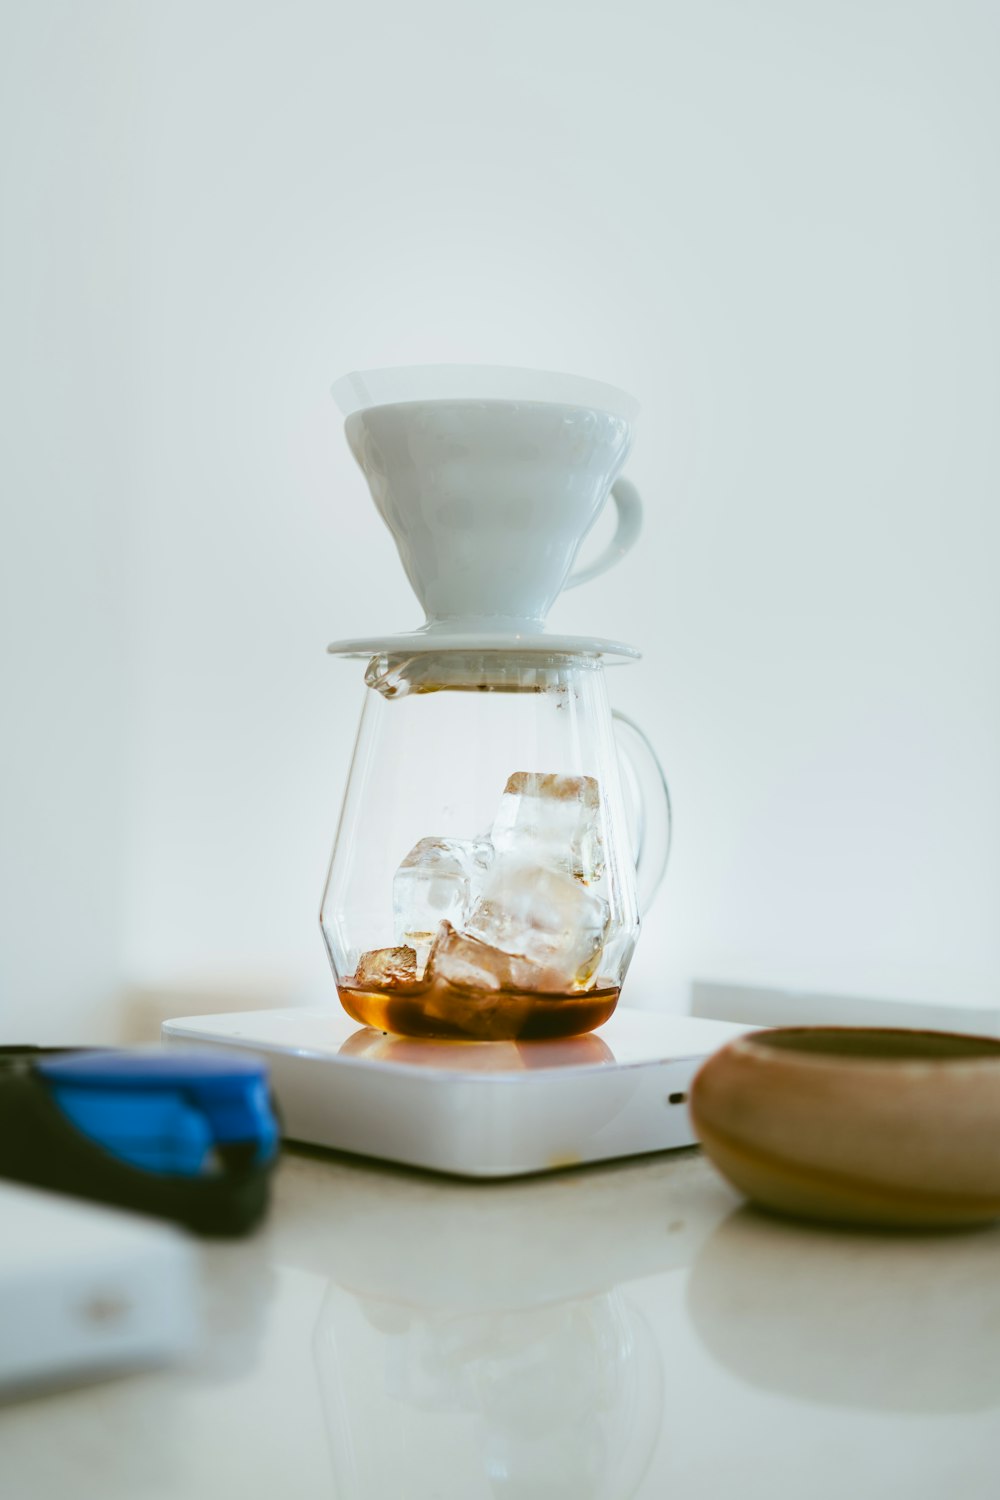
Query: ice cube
387	966
544	916
436	882
553	820
476	989
469	963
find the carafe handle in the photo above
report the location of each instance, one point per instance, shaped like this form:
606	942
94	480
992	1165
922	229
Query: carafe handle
654	819
626	498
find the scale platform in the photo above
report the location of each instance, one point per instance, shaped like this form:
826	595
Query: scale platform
475	1109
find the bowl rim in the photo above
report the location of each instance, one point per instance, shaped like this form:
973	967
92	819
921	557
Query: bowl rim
894	1047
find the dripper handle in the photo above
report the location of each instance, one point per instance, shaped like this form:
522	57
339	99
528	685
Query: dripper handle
654	819
626	498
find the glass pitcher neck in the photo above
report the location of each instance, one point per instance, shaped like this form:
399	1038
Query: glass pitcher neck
398	675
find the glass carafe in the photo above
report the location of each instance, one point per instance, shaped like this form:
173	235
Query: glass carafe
492	859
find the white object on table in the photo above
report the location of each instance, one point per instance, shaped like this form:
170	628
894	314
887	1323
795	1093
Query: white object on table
86	1290
476	1109
752	1005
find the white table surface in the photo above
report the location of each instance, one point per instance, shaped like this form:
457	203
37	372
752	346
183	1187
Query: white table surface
618	1331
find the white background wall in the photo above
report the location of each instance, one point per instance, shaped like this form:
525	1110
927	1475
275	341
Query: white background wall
775	222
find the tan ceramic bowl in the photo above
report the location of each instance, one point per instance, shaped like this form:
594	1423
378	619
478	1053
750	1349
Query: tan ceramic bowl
856	1124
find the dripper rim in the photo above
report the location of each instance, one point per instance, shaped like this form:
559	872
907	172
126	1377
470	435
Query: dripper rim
358	390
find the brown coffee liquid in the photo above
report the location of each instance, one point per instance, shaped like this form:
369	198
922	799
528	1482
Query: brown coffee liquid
439	1009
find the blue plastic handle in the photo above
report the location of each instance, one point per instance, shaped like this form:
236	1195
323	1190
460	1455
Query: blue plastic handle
165	1111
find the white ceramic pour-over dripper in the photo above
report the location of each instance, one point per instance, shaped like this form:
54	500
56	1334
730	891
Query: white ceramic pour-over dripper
489	479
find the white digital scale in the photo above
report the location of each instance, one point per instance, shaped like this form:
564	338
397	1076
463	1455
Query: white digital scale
474	1109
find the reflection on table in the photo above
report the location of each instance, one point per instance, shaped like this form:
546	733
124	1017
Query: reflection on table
484	1362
